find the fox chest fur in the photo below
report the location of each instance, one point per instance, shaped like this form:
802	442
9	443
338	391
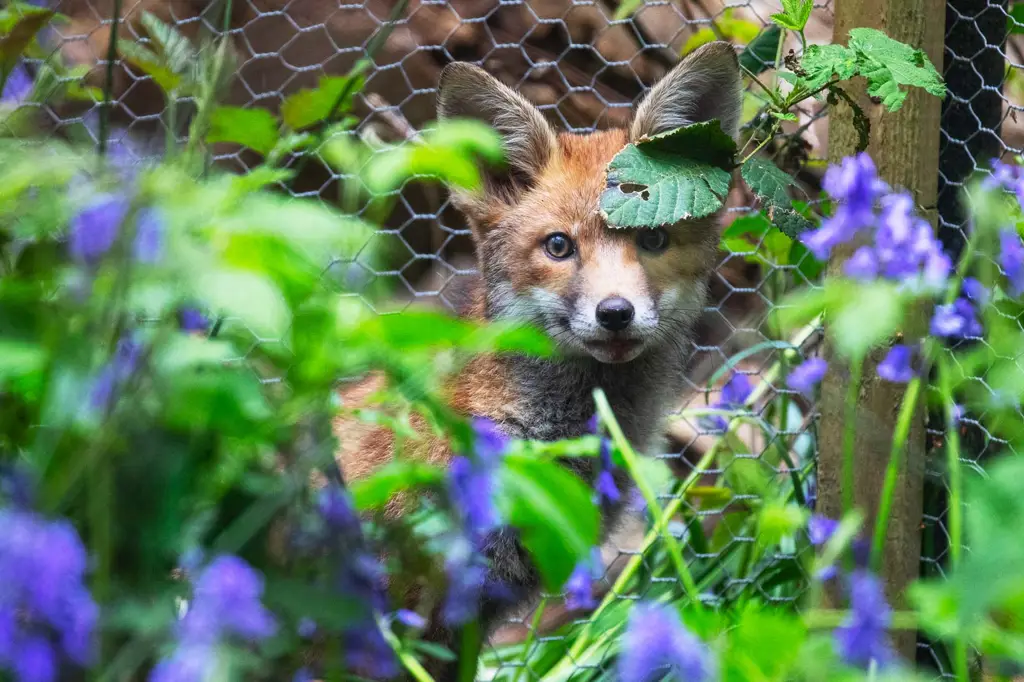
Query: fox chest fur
620	304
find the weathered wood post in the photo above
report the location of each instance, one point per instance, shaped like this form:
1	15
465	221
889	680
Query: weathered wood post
905	147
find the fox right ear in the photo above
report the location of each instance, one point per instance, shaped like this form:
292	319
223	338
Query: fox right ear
467	91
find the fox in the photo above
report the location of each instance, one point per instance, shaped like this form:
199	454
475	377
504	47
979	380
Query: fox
620	305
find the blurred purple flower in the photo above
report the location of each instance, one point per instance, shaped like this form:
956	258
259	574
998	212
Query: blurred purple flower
607	490
579	588
862	637
656	642
955	320
227	602
149	236
958	413
18	86
593	424
46	611
115	373
466	571
192	320
188	663
489	443
975	291
368	653
94	229
855	185
336	509
1011	260
471	480
820	529
1006	176
862	264
410	619
808	374
897	364
303	675
306	628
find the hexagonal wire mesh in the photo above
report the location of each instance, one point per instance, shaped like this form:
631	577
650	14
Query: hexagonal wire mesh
585	71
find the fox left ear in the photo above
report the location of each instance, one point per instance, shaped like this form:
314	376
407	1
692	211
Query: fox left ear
705	85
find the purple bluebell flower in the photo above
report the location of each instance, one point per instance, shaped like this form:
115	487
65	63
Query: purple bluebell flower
227	602
303	675
897	364
188	663
489	442
593	424
335	508
975	291
607	490
466	573
1006	176
820	529
734	395
192	320
855	185
656	643
149	236
369	654
306	628
1011	260
18	86
862	265
958	413
955	320
95	228
808	374
579	588
115	373
410	619
863	637
46	611
471	480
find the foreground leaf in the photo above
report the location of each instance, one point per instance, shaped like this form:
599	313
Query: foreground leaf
253	128
332	96
679	175
888	64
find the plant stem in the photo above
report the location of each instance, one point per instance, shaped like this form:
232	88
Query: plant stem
767	138
469	654
530	637
108	85
407	659
955	501
849	432
604	409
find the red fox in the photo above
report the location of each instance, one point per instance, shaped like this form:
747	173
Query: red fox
620	304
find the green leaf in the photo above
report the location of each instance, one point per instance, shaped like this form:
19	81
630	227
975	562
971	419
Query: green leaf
789	222
759	54
553	512
821	62
375	490
176	51
768	181
794	15
333	95
422	330
249	296
754	224
253	128
19	359
888	64
22	33
867	315
150	64
1015	23
679	175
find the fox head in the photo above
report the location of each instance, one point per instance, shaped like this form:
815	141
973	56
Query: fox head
545	252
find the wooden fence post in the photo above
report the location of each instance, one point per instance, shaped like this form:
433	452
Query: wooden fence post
905	147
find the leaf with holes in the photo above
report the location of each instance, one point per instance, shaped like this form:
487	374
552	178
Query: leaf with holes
254	128
820	62
768	181
679	175
888	64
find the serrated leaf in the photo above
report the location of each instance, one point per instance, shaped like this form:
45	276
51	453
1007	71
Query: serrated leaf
679	175
768	181
176	51
888	64
150	64
821	62
253	128
785	21
799	12
789	222
333	95
553	512
759	54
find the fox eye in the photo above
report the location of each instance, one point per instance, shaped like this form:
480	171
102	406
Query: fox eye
655	240
559	245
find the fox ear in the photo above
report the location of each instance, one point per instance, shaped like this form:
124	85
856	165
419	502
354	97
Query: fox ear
467	91
705	85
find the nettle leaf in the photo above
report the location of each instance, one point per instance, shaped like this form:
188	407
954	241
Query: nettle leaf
789	222
821	62
759	54
888	64
333	95
768	181
794	15
679	175
253	128
553	512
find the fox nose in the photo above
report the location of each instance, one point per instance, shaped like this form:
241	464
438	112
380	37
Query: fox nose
614	313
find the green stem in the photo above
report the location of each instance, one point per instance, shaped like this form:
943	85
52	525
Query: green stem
767	138
828	619
407	660
604	409
469	655
108	85
530	637
849	432
956	531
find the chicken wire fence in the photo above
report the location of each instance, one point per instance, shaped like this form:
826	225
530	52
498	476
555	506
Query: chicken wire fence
585	71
